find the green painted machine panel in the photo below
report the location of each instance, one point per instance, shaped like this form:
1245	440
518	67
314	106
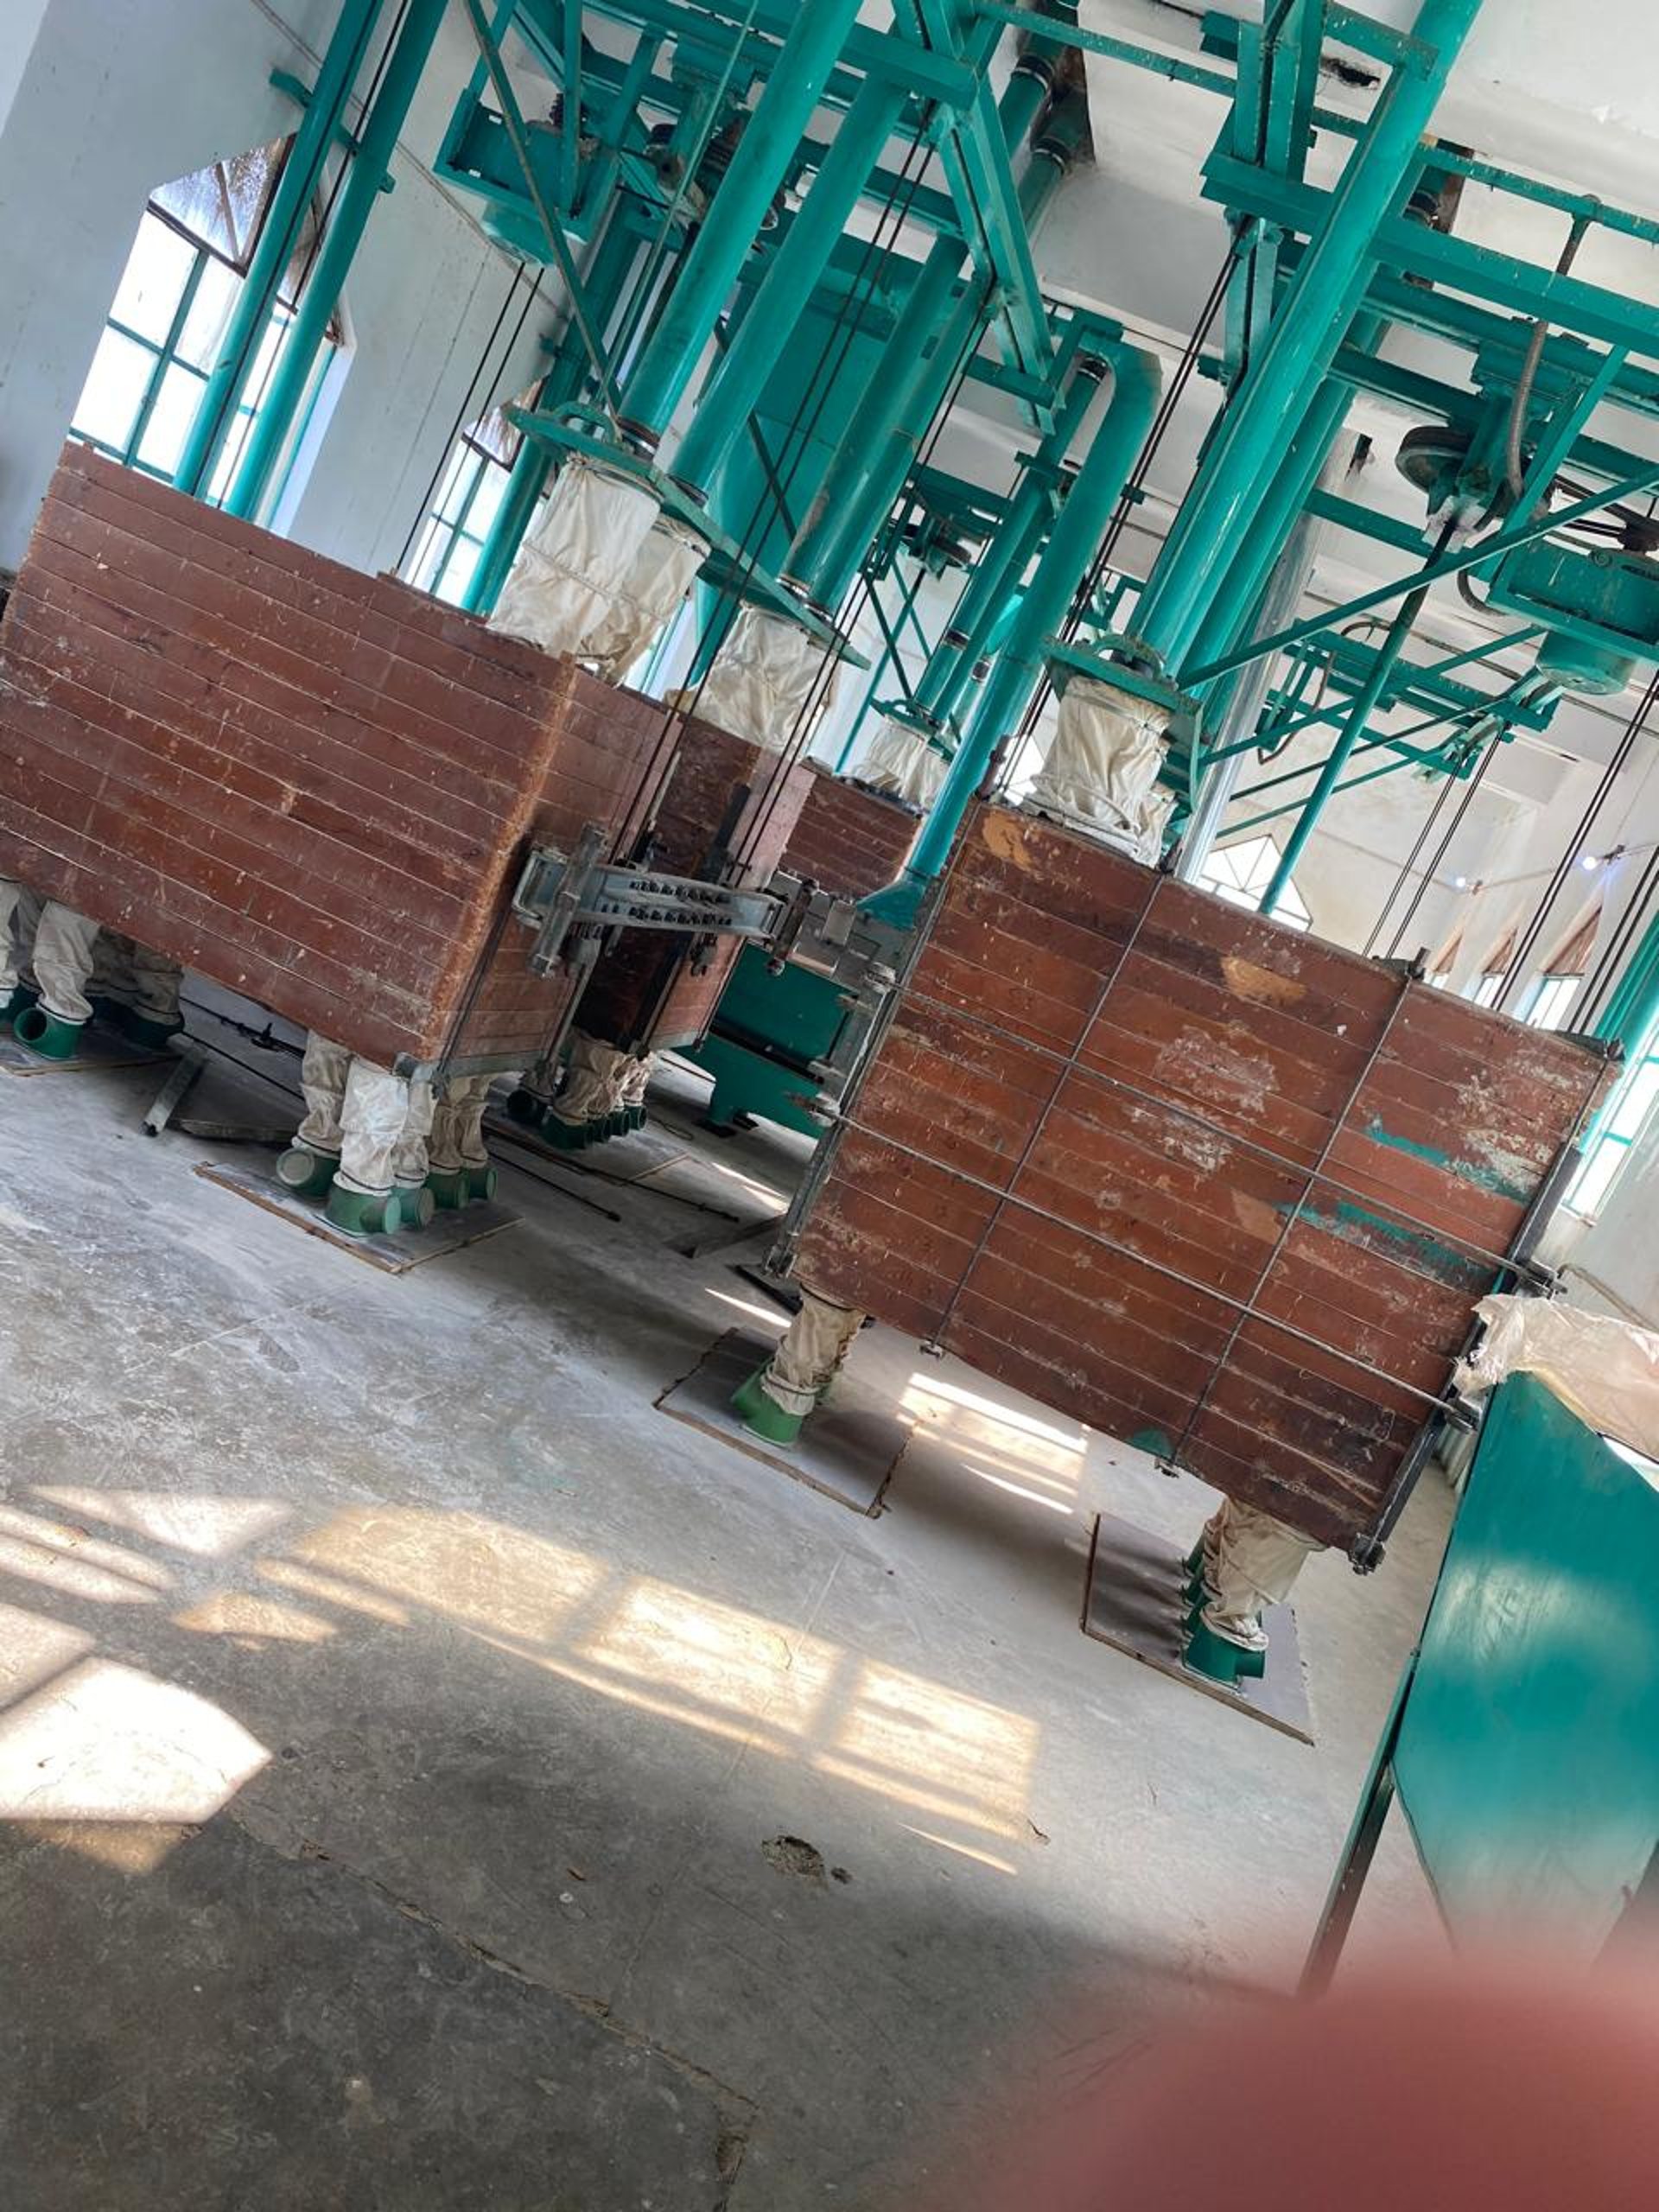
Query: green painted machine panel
1529	1755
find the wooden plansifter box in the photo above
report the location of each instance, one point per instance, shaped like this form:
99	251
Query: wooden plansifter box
1185	1175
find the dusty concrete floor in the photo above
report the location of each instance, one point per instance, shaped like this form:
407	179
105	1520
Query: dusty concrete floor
398	1716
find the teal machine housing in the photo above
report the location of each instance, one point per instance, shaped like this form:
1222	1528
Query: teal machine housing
1523	1743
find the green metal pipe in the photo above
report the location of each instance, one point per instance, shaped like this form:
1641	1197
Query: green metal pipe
604	281
1071	546
729	397
1352	730
306	334
1633	1007
1004	560
1301	342
764	154
296	187
1490	548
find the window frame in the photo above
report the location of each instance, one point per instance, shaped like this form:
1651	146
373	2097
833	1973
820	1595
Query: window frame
165	355
1242	893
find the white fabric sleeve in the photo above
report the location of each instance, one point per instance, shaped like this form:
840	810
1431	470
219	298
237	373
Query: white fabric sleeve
65	944
1101	775
370	1123
762	678
322	1078
811	1350
901	763
576	559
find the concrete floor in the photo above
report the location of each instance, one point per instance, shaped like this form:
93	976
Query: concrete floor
401	1716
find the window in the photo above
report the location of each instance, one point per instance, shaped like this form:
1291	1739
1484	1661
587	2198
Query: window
469	498
1628	1112
1485	987
1240	873
195	240
1551	1002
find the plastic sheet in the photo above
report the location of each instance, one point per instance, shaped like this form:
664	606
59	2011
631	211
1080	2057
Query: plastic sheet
17	935
1607	1370
901	764
645	604
457	1137
370	1123
1251	1561
593	1083
323	1074
761	680
64	951
577	562
812	1347
411	1156
1101	775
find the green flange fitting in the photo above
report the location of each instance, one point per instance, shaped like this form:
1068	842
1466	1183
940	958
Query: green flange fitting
565	1136
481	1182
449	1188
525	1106
365	1213
309	1174
1220	1660
763	1415
145	1029
416	1205
46	1034
20	1001
636	1117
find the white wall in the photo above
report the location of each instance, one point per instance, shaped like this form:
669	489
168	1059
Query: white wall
115	97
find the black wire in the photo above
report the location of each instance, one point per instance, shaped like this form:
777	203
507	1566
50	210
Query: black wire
1430	871
466	408
818	388
1610	776
1607	969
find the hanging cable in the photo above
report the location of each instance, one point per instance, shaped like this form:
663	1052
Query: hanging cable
1441	850
465	411
1610	776
1611	963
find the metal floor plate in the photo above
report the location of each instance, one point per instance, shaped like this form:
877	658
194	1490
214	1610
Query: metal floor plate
848	1449
396	1255
1133	1600
97	1048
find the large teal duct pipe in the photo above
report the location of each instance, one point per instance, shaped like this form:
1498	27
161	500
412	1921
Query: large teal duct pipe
603	283
309	328
729	397
1071	546
279	238
858	494
1302	339
1000	566
768	145
1633	1008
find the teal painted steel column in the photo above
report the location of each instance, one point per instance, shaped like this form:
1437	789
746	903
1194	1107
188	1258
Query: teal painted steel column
768	145
309	328
1353	729
280	234
1633	1008
728	398
1071	546
604	281
892	402
1305	333
1003	562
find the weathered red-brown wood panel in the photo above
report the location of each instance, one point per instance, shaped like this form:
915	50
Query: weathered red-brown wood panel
1185	1175
849	840
730	809
311	784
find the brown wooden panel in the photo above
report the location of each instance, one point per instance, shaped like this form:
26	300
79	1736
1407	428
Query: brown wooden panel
1243	1218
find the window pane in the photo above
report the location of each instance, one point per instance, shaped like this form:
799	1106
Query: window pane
209	313
458	482
157	271
224	204
1634	1105
120	375
434	543
170	419
1593	1184
457	571
487	502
